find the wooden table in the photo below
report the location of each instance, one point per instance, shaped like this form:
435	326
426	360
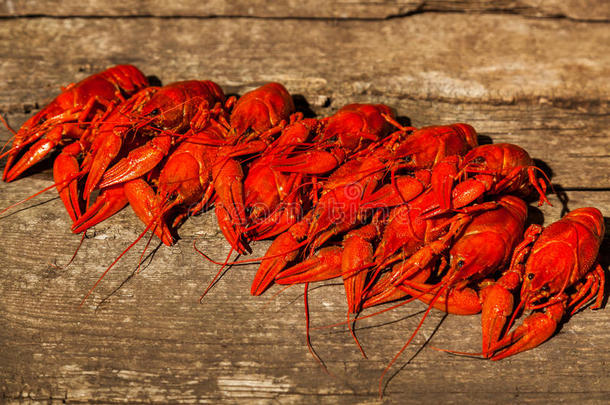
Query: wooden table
528	72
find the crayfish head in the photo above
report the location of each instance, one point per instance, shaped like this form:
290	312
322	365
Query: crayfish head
429	145
357	124
172	107
38	122
262	109
532	292
475	262
499	158
547	272
415	152
162	111
169	199
41	122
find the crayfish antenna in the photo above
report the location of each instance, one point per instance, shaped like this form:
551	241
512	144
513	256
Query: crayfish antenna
351	324
307	335
442	289
400	304
218	274
275	295
11	130
67	180
152	233
82	239
80	244
243	261
457	353
99	280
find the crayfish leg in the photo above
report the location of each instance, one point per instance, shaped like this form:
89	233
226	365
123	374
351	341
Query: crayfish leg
594	284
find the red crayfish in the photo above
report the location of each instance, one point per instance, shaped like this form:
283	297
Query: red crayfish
560	276
395	212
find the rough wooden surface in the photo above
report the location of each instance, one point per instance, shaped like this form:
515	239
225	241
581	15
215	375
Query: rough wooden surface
437	56
541	83
323	9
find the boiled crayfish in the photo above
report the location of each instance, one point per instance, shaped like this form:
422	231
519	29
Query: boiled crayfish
396	212
560	276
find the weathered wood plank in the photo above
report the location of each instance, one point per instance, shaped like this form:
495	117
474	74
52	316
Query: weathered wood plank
437	57
598	10
150	341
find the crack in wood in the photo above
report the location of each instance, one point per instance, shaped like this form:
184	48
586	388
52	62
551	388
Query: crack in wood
304	18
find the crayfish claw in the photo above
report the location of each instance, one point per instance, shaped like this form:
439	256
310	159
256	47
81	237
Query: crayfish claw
284	249
66	174
110	201
139	162
497	306
535	329
326	264
32	156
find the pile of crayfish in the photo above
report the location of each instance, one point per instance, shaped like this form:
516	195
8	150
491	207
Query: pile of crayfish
396	212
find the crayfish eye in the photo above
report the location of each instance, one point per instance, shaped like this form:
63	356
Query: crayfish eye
478	160
460	263
408	159
154	112
530	276
172	197
545	288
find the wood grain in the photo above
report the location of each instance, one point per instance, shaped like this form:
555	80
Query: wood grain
144	338
442	57
597	10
